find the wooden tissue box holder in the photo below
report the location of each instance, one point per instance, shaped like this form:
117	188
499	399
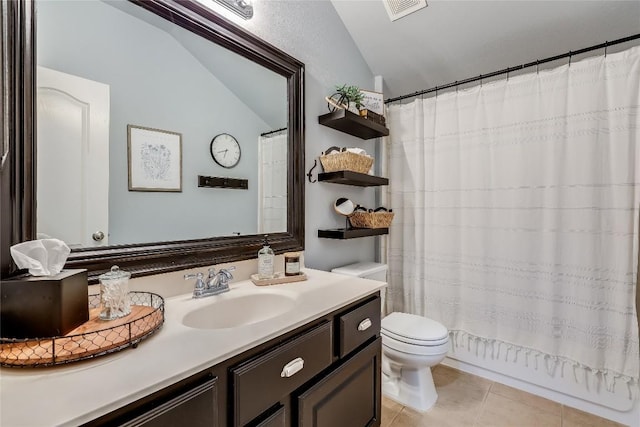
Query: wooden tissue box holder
43	307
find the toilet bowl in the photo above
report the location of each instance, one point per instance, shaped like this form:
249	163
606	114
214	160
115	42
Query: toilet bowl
411	345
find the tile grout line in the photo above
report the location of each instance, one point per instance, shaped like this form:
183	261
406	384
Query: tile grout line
482	406
394	418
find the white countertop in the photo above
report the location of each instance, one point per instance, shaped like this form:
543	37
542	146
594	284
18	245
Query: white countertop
79	392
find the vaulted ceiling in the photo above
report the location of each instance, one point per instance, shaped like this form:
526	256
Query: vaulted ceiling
452	40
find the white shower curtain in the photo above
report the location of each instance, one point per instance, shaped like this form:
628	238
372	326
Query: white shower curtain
517	215
272	202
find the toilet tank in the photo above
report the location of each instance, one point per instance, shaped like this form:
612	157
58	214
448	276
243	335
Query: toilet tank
366	270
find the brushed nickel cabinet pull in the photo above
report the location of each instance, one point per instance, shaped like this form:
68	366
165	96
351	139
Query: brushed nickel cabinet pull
292	368
364	325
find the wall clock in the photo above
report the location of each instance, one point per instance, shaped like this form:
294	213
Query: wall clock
225	150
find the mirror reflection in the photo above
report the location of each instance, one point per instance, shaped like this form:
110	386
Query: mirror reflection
104	66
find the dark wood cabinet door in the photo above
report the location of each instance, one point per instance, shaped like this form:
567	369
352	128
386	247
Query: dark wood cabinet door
195	407
347	397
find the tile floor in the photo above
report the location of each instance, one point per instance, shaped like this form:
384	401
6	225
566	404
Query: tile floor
465	400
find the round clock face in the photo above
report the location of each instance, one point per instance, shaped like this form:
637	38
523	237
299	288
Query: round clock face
225	150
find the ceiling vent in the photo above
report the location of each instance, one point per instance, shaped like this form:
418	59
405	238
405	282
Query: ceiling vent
399	8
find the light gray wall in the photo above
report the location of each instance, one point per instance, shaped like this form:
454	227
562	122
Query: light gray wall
156	83
312	32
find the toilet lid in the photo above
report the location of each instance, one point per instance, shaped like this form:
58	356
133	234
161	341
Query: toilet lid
414	329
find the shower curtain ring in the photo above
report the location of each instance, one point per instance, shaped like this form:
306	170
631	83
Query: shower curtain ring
480	80
606	44
569	58
537	66
436	91
456	86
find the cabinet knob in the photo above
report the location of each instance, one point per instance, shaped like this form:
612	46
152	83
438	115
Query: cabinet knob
364	325
292	368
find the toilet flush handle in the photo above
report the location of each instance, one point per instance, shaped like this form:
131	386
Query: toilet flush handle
364	325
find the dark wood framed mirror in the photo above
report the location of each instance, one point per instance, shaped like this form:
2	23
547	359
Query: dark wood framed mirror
18	169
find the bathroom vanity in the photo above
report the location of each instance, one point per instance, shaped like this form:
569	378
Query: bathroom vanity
311	357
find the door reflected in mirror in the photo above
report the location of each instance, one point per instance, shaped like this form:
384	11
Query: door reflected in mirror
106	65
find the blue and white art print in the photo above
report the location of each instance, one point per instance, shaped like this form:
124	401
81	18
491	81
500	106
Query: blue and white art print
155	159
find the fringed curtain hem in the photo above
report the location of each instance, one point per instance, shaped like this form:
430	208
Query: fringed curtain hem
552	364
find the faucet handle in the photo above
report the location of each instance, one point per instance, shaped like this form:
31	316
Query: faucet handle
198	277
225	275
227	271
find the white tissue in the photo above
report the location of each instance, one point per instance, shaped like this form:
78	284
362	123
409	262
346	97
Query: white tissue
44	257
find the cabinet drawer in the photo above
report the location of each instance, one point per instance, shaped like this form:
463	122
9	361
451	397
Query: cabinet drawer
266	379
359	325
195	407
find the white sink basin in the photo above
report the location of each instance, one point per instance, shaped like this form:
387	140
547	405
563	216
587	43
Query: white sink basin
230	311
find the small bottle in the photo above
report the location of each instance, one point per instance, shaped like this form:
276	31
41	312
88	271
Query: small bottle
292	263
265	261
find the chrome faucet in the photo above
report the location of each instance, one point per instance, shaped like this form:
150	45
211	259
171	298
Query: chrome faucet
215	284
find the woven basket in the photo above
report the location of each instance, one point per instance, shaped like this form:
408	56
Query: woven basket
371	219
346	161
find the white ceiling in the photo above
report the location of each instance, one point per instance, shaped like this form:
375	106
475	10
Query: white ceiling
453	40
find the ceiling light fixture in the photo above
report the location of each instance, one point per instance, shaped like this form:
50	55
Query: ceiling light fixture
244	8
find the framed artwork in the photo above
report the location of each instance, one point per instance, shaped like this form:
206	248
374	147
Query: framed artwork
155	159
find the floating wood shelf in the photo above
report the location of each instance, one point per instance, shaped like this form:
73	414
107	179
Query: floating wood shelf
351	233
353	124
352	178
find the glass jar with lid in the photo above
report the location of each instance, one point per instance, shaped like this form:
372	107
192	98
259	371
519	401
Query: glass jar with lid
114	294
292	263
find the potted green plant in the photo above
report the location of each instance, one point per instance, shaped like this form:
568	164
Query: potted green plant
346	97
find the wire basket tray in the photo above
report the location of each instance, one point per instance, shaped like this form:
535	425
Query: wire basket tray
91	339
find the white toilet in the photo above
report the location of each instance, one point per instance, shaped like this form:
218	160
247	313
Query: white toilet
411	345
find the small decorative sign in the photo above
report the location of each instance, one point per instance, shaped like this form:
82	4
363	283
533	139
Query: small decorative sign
155	159
373	101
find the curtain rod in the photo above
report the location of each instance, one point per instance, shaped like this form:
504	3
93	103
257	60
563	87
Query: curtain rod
273	131
516	68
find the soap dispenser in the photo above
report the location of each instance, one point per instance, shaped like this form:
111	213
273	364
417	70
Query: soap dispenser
265	261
